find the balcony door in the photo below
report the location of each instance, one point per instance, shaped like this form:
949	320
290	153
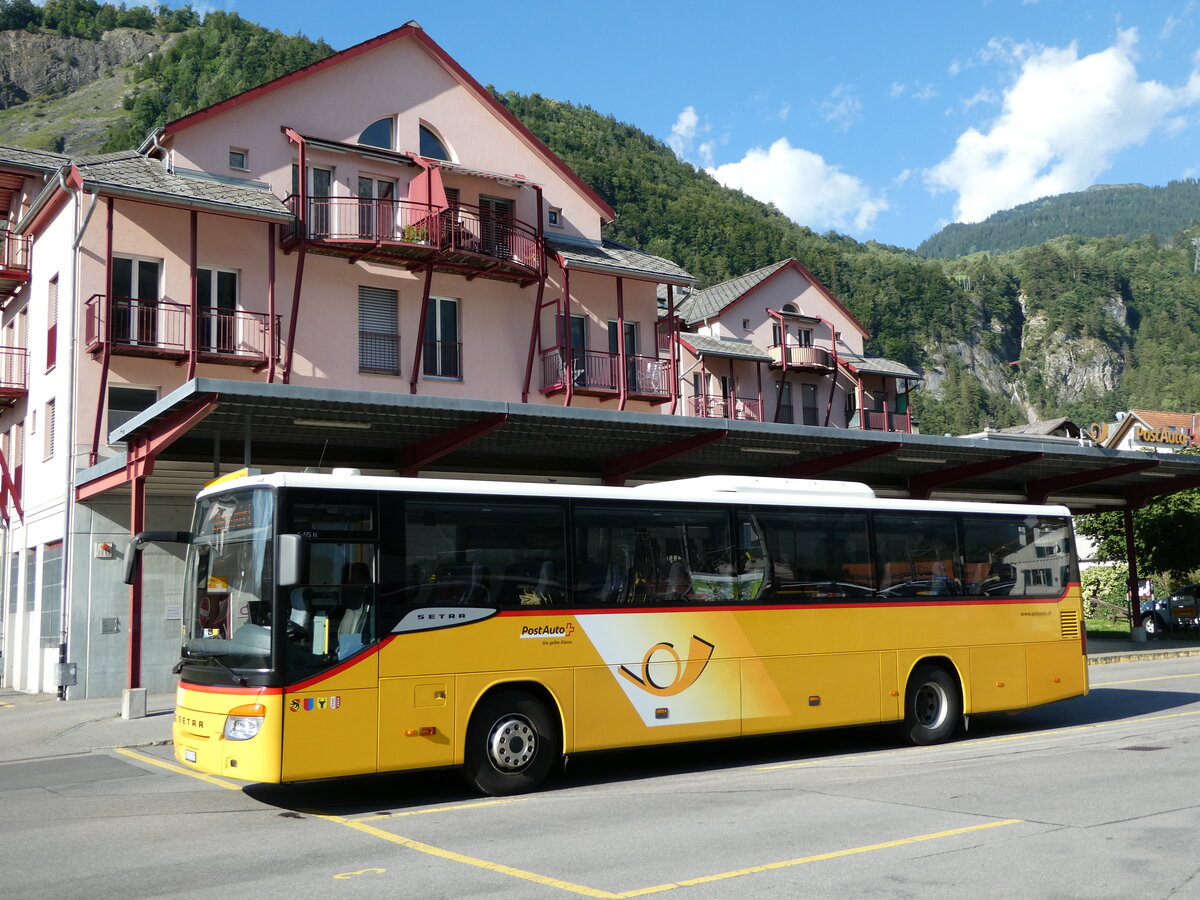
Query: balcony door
318	216
218	299
808	396
495	227
633	380
134	302
376	208
443	347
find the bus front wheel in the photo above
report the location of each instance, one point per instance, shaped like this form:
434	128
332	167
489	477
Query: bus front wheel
932	705
513	742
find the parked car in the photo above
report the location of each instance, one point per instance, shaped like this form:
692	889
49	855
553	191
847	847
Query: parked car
1179	609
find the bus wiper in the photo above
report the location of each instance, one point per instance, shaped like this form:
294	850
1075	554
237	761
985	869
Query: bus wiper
213	657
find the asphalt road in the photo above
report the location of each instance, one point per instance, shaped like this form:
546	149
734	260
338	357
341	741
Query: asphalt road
1095	797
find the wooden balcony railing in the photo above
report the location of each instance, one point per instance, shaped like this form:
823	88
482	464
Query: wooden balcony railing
14	374
14	261
882	421
410	229
741	408
794	356
161	329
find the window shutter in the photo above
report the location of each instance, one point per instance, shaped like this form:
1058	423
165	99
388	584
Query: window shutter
378	330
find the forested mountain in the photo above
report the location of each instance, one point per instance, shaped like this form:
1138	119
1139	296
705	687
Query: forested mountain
1069	326
1103	210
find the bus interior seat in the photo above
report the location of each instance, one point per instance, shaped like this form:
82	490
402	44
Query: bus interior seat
302	613
462	584
355	612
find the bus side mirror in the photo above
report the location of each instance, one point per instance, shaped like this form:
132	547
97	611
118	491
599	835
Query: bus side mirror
133	554
290	569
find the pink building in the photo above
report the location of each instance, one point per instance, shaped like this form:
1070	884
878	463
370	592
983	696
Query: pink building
775	346
317	234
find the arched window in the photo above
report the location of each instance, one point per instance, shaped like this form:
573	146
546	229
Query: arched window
378	134
432	146
791	308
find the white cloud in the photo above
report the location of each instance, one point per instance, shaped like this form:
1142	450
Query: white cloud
843	108
1061	124
683	132
803	186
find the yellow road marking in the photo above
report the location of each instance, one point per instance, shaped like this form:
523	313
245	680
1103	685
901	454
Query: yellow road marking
4	705
819	857
585	891
499	868
1139	680
172	767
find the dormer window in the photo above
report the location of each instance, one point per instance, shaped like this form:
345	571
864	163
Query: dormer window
379	134
432	146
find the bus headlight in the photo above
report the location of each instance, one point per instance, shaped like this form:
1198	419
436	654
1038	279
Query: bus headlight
244	722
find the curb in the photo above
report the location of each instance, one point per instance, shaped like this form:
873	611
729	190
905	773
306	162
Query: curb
1120	657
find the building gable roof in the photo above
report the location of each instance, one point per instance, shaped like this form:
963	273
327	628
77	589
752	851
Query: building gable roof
409	31
613	258
129	174
712	302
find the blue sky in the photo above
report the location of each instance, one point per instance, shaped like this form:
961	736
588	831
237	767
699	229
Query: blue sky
884	121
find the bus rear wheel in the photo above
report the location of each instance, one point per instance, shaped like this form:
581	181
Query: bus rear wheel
513	742
932	705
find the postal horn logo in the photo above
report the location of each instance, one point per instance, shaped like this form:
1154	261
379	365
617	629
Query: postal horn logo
686	673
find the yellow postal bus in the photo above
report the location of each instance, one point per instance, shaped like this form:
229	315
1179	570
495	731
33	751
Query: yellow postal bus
343	624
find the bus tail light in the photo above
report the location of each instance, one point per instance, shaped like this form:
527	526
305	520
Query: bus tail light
244	722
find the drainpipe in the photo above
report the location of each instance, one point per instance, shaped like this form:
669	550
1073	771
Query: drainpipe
69	543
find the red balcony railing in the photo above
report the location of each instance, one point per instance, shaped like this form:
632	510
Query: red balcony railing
417	227
727	408
648	376
161	329
596	372
795	356
14	373
234	333
589	371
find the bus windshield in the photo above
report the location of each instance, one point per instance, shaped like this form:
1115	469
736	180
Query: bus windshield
227	605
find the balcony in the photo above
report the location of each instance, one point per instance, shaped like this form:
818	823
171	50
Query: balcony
14	374
900	423
160	329
463	239
14	262
594	373
740	408
806	359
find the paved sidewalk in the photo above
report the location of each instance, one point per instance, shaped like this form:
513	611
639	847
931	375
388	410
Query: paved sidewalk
35	726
